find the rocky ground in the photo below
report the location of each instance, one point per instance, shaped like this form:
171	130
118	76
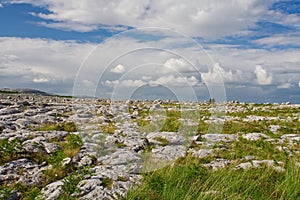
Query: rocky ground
53	147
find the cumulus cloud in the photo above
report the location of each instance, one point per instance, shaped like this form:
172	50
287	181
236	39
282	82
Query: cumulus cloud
41	80
124	83
262	76
285	86
219	75
178	65
175	81
25	62
195	17
22	60
119	69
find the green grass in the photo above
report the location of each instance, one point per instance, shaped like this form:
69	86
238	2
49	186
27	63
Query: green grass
12	150
162	141
67	126
70	184
109	128
188	179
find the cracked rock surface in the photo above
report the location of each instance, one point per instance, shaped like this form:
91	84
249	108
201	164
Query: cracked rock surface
115	148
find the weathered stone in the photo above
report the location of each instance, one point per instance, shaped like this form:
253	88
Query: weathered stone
51	191
202	153
22	170
255	136
218	164
219	137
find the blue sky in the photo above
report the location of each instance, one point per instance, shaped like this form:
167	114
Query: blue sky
59	46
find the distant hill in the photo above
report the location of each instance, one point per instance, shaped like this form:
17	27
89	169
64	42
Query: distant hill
22	91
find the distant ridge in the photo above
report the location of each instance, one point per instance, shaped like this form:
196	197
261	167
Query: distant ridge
23	91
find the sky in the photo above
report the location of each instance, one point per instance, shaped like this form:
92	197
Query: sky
244	50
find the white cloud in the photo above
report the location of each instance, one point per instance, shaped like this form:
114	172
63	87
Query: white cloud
195	17
280	39
299	84
123	83
146	78
22	60
285	86
219	75
263	78
110	83
178	65
132	83
1	5
25	62
41	80
175	81
119	69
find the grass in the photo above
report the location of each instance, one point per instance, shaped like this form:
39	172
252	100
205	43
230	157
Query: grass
162	141
67	126
107	183
70	184
109	128
188	179
12	150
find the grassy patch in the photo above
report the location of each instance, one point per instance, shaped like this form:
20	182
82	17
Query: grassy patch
70	184
109	128
67	126
172	121
162	141
107	183
11	150
189	180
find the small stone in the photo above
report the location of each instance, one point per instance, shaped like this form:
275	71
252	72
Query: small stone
218	164
66	161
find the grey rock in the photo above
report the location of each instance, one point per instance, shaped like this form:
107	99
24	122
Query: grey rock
202	153
255	136
174	138
291	137
9	111
52	191
51	147
169	153
274	128
66	161
219	137
218	164
22	170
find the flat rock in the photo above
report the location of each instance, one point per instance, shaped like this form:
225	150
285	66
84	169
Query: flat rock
52	191
255	136
218	164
